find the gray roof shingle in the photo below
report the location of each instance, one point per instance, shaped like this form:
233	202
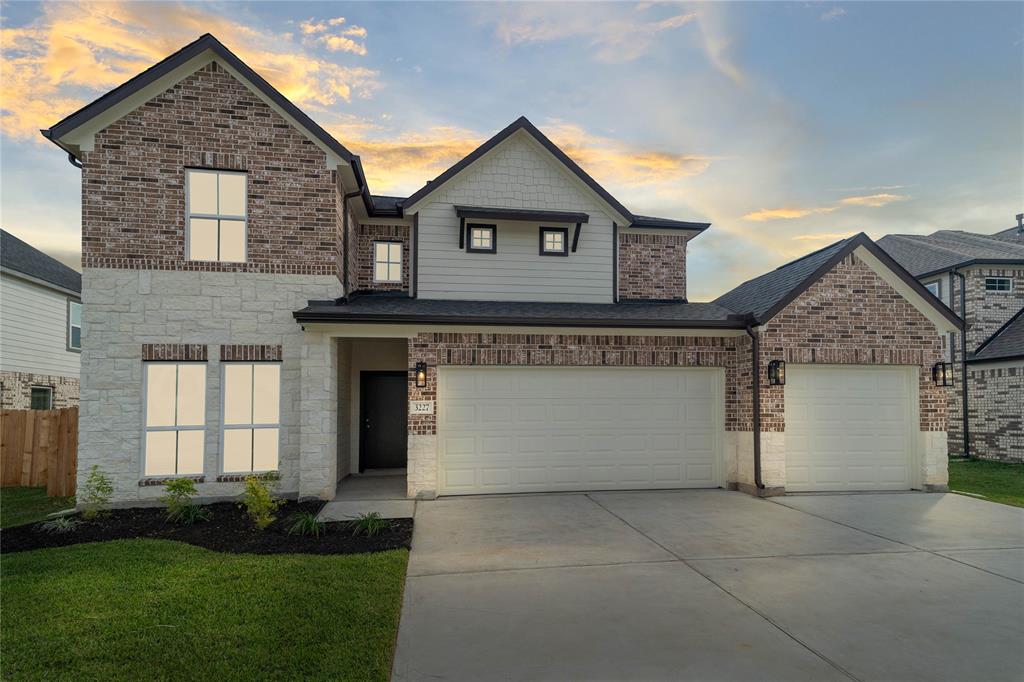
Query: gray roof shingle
1006	343
946	249
21	257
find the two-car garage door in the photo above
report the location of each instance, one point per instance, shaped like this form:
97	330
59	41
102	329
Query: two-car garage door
518	429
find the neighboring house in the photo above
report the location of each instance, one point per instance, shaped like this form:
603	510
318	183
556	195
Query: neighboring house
990	269
510	327
40	328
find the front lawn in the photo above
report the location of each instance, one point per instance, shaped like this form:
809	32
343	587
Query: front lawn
995	481
25	505
156	609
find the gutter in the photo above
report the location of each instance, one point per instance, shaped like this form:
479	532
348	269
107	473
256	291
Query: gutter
963	359
755	362
344	236
378	318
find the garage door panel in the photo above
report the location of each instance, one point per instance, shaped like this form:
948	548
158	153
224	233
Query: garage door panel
587	428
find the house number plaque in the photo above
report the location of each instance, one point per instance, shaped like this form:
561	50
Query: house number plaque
421	407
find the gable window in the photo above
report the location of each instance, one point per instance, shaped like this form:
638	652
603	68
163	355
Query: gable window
175	395
554	241
74	325
935	287
216	215
387	261
998	284
252	416
482	239
41	398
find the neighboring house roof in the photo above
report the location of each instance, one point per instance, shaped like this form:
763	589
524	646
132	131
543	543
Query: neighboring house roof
402	309
1006	344
17	256
1013	234
765	296
924	255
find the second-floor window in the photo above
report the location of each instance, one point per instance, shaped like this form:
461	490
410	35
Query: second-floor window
554	241
935	287
74	325
216	215
482	239
387	262
998	284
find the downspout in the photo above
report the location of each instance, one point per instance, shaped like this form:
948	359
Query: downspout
963	361
344	238
755	361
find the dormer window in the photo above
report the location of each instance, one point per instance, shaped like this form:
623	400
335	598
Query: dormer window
482	239
216	215
554	241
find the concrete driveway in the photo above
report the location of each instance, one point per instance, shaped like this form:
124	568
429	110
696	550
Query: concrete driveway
714	585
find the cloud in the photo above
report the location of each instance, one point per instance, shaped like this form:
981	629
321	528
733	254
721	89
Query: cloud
73	53
833	14
873	200
785	213
822	237
343	44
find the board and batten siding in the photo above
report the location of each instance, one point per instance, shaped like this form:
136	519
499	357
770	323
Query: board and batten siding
33	329
518	173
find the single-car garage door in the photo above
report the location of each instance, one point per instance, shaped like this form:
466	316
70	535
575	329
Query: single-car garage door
518	429
849	427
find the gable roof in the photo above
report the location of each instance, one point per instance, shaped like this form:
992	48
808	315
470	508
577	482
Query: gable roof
1006	344
764	297
924	255
23	258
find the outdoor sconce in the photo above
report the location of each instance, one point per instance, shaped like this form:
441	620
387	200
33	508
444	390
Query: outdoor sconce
421	375
942	374
777	373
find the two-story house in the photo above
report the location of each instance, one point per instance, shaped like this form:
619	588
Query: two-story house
40	328
981	277
509	327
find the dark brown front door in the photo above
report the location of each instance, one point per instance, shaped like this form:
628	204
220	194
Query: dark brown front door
383	398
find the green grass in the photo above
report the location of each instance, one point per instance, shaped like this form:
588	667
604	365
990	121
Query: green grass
996	481
25	505
155	609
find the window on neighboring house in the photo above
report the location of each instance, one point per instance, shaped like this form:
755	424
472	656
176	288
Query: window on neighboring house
482	239
41	398
216	215
74	325
387	262
554	241
935	287
175	396
998	284
252	416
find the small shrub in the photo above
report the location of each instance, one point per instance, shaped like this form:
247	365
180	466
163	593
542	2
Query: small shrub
59	525
96	494
369	524
306	523
259	500
180	508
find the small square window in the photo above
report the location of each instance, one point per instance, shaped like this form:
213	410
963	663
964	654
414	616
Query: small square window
41	398
998	284
554	241
482	239
387	262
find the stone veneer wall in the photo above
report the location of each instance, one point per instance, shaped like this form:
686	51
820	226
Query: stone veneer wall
133	183
652	266
16	393
173	312
996	410
366	236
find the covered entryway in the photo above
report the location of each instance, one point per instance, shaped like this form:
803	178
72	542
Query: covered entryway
850	427
530	429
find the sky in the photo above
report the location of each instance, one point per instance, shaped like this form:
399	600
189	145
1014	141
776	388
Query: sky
788	126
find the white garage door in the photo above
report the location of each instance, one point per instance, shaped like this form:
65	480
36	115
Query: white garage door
515	429
849	427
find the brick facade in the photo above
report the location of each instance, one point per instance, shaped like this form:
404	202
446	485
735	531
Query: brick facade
366	235
16	390
174	352
249	353
652	266
996	411
207	120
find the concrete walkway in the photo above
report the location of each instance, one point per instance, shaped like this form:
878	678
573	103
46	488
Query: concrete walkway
714	585
358	495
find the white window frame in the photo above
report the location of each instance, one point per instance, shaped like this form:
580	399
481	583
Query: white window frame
49	392
145	418
216	216
938	288
1008	280
70	346
388	261
224	426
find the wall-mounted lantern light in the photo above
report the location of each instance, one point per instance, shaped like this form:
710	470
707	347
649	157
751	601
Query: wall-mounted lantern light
777	373
421	375
942	374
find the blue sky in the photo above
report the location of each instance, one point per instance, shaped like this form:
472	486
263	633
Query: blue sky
787	125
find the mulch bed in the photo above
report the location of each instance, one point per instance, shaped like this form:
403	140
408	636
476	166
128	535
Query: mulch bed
229	530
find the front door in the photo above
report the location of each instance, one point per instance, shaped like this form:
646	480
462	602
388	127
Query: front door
383	422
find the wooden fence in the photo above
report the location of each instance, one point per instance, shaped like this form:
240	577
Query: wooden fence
39	447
